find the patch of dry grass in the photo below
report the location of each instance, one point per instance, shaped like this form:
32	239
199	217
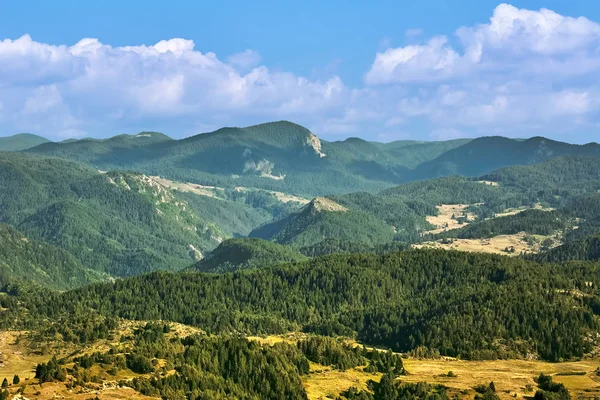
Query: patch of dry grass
495	245
444	221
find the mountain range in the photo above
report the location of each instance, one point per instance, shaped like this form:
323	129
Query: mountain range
286	157
137	203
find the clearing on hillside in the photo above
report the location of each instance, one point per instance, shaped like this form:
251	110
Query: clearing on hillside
444	221
502	244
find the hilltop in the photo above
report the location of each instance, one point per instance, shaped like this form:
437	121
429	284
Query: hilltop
21	141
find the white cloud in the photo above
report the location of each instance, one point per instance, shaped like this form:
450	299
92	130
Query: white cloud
244	60
522	73
92	84
519	41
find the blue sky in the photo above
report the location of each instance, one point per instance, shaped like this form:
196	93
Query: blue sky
402	70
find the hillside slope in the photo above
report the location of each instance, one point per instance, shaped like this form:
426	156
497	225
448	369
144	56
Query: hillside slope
22	259
118	223
247	253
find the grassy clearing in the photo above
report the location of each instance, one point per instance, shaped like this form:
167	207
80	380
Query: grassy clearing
444	221
495	245
515	211
510	376
326	383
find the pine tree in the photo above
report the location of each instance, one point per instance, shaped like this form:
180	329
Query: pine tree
16	380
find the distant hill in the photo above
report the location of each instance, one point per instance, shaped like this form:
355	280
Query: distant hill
237	254
279	156
356	217
22	141
486	154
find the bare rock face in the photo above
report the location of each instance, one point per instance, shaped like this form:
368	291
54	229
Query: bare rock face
313	141
324	204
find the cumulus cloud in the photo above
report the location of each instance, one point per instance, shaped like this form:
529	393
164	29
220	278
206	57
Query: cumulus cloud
524	72
91	83
244	60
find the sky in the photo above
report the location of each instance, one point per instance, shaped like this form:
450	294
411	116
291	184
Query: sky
425	70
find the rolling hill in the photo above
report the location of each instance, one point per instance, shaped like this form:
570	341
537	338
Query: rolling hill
246	253
287	157
400	213
486	154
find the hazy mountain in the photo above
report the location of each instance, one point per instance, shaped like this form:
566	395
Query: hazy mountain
21	141
486	154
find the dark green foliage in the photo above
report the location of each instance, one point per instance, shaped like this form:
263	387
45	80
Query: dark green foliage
450	301
329	351
388	389
583	249
236	254
550	390
41	263
16	380
118	223
531	221
336	246
210	367
139	364
51	371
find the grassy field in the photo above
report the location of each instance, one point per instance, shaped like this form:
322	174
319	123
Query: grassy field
444	221
509	376
495	245
512	378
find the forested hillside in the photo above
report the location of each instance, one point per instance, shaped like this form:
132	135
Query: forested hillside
474	306
400	214
22	259
286	157
118	223
246	253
